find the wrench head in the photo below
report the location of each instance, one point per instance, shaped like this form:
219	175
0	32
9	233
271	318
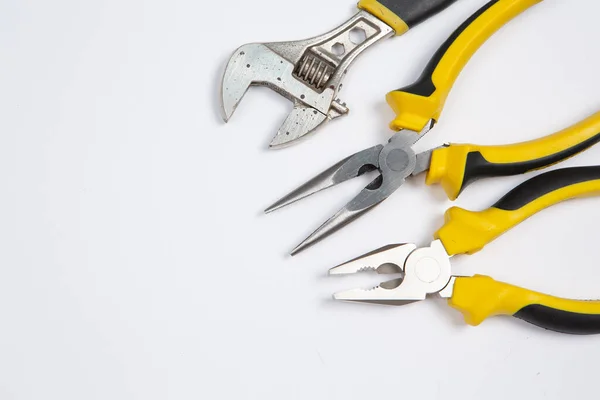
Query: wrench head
307	72
259	65
252	64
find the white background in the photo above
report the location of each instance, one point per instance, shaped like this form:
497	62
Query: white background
135	260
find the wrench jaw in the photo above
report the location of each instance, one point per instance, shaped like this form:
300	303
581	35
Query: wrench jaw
302	121
253	64
257	64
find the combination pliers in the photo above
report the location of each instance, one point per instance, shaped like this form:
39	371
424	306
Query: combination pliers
429	271
418	108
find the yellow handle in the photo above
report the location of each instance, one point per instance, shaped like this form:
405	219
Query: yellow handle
467	232
417	104
460	164
481	297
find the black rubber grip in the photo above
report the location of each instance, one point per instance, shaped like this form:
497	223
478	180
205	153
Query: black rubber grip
424	85
477	167
546	183
413	12
559	320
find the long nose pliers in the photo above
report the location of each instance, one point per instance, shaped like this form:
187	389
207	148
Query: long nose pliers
454	166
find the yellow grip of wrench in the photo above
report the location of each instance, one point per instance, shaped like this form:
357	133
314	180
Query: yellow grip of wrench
481	297
458	165
467	232
423	101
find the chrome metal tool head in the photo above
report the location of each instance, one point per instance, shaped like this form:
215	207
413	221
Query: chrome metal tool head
424	271
307	72
394	161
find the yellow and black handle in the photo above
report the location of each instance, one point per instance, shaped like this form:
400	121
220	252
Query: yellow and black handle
481	297
402	15
424	100
458	165
467	232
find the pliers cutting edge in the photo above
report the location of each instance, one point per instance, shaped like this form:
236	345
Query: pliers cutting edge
428	270
418	108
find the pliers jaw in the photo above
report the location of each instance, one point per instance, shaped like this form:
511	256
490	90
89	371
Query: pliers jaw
395	162
425	271
345	170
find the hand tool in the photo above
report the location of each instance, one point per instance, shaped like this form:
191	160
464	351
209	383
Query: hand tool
418	108
454	166
428	271
310	72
